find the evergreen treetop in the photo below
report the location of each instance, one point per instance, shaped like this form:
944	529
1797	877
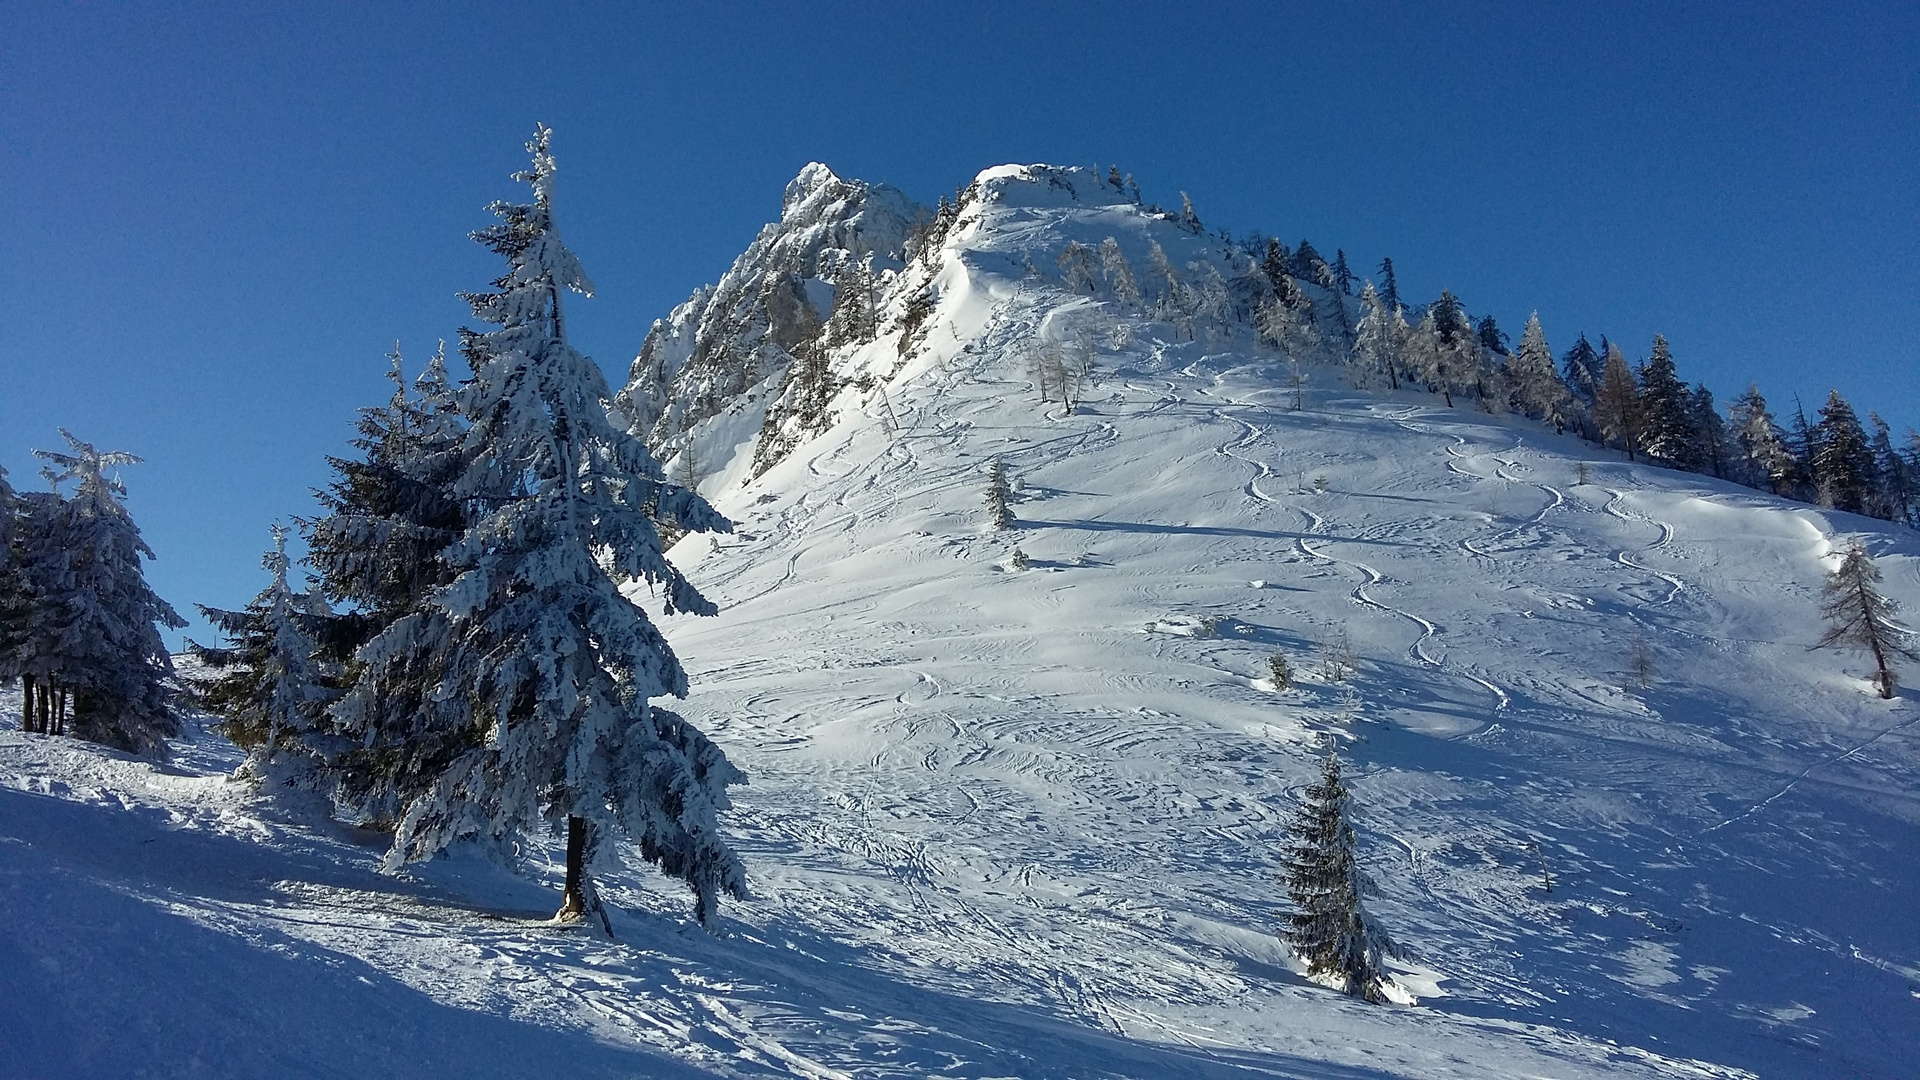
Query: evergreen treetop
1389	288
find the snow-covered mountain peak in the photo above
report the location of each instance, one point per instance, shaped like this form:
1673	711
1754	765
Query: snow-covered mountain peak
728	339
1050	186
813	176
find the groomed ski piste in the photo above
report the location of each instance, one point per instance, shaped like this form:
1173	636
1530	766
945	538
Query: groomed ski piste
1026	823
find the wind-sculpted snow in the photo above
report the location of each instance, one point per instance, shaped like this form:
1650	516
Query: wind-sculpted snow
1008	823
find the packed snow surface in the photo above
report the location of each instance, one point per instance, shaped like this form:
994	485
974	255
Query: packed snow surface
1025	823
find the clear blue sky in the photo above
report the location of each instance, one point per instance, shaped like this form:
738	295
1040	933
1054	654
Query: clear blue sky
222	217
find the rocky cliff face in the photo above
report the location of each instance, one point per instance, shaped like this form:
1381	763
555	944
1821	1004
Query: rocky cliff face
732	345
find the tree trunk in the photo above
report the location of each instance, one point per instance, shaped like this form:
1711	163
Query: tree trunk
1884	677
574	901
60	711
26	702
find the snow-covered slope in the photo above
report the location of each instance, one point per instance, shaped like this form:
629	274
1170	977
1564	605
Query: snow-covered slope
1025	822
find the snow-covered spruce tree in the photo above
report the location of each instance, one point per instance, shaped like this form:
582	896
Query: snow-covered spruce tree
1709	453
853	320
1307	265
1493	339
1076	267
1667	433
1859	618
1376	344
1274	265
1843	472
999	496
555	666
272	689
1894	496
1342	275
1535	385
1804	440
1287	323
1389	288
1444	353
1337	315
1765	459
1189	220
1119	273
106	651
377	553
1175	303
1329	927
1582	368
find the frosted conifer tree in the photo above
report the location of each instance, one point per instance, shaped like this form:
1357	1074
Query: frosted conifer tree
554	665
1894	496
1119	273
1175	303
1342	275
106	650
1389	288
1076	267
1843	471
1329	927
1376	342
1583	368
378	553
999	512
1493	339
1765	458
1709	453
1274	265
1342	336
1860	618
272	689
1667	429
1452	360
1287	322
853	320
1536	386
1427	356
1189	220
1307	265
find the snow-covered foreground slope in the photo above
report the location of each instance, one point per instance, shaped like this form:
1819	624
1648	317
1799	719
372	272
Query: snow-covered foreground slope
1025	823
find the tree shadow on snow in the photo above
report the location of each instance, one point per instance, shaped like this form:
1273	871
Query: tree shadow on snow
112	965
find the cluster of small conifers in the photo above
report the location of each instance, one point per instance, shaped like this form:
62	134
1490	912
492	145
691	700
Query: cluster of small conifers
1304	306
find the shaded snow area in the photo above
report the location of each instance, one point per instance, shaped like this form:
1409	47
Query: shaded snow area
1025	823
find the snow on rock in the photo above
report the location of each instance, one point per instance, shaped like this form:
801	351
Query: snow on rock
995	829
720	349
